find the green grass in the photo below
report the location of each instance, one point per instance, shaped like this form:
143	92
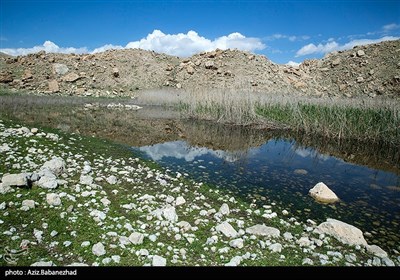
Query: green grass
335	121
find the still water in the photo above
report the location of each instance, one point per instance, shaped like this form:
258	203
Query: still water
283	170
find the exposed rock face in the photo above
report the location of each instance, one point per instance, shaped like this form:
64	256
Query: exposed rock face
368	71
323	193
343	232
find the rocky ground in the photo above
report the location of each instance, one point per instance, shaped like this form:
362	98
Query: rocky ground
70	200
364	71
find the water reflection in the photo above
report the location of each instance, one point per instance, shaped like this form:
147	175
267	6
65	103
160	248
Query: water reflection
283	170
181	150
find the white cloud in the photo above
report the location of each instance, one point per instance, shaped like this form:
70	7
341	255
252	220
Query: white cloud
173	44
188	44
293	63
47	46
181	150
107	47
311	48
390	27
334	46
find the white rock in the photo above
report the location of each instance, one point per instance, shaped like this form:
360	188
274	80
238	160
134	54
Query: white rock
185	226
86	180
360	53
106	261
152	237
98	214
56	166
307	261
263	230
86	169
236	243
136	238
112	180
4	148
377	251
105	201
169	199
322	193
288	236
29	203
343	232
53	199
226	229
38	235
42	263
159	261
5	189
123	240
224	209
77	264
304	241
48	181
53	233
169	213
116	258
98	249
15	180
388	262
85	243
235	261
276	247
179	201
142	252
60	69
3	205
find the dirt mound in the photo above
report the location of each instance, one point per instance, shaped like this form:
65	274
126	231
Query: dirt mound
368	70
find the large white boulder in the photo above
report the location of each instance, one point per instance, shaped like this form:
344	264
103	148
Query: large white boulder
263	230
226	229
322	193
53	199
136	238
159	261
56	166
169	214
343	232
98	249
15	180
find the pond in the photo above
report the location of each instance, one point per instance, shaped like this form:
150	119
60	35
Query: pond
281	170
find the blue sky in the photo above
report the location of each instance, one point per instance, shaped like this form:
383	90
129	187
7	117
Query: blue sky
282	30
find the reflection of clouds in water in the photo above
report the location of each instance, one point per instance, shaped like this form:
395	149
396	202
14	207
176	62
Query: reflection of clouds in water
306	152
181	150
